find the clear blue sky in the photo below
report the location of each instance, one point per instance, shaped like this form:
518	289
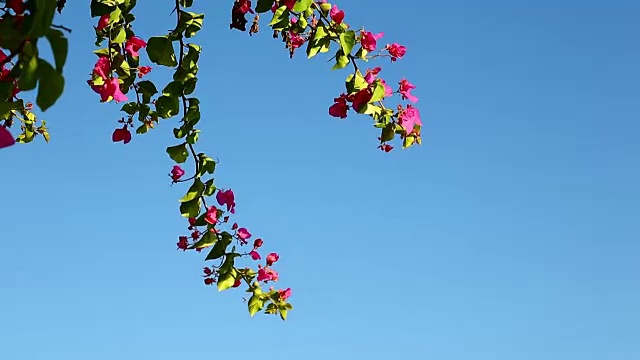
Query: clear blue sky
515	236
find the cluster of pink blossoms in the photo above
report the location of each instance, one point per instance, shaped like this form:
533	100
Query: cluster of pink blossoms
108	86
226	199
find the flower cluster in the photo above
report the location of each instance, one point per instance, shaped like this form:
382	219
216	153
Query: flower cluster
320	23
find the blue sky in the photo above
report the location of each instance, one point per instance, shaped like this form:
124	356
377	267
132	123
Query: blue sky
508	235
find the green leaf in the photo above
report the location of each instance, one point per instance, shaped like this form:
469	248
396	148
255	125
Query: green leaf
28	65
226	280
186	3
264	6
341	61
59	47
348	41
190	209
120	34
192	138
355	83
167	106
208	239
280	18
209	188
256	303
148	89
388	132
206	164
302	5
178	153
173	89
42	17
194	191
220	248
160	51
50	87
283	313
130	107
378	92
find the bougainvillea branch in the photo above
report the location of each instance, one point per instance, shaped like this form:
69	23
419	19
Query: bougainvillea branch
233	257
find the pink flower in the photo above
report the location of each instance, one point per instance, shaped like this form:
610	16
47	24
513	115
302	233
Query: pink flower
183	243
267	274
336	14
111	89
272	258
369	40
121	134
134	44
388	91
243	234
103	22
405	90
285	294
102	67
143	70
254	255
6	139
226	197
409	118
176	174
339	108
212	215
371	75
296	40
257	243
396	51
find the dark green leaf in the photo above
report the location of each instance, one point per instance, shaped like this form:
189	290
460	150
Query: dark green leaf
59	47
160	51
167	106
220	248
194	191
50	87
191	208
264	6
209	188
208	239
226	280
178	153
42	17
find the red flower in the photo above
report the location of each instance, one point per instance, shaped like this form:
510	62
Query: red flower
257	243
183	243
284	294
212	215
18	6
103	22
143	70
133	45
336	14
254	255
121	134
209	281
396	51
369	40
237	283
339	108
226	197
6	139
267	274
271	258
176	174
